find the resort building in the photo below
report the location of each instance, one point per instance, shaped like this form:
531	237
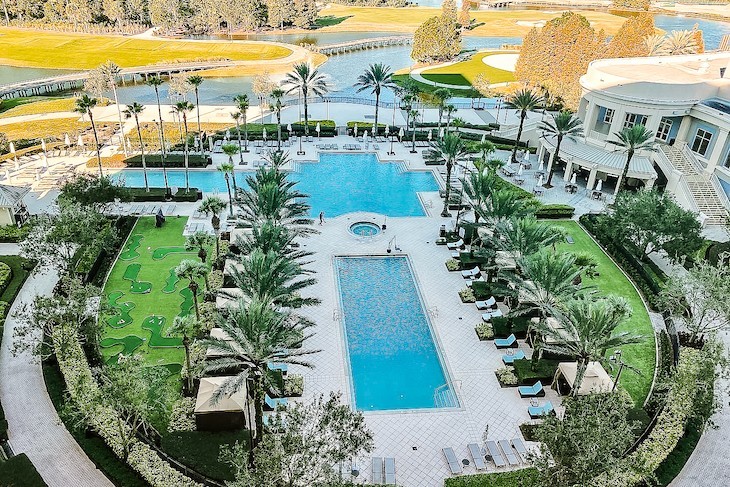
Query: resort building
684	101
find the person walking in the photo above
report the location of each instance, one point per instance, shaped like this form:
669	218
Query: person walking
321	217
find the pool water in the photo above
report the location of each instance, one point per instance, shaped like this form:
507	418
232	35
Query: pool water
337	184
394	362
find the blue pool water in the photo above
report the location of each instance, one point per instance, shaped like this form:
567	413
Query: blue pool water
394	363
338	184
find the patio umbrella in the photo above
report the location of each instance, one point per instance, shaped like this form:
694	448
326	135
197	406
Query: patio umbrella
539	180
599	185
365	135
66	140
228	135
387	131
288	127
401	133
210	143
541	167
484	138
430	134
519	170
43	145
355	130
17	164
263	133
317	128
574	178
80	142
441	133
12	148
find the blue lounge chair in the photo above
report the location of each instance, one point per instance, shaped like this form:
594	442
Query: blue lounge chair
477	455
532	391
510	359
453	462
272	404
509	342
538	411
497	313
487	304
495	454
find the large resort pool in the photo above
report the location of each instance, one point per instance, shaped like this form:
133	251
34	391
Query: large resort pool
393	358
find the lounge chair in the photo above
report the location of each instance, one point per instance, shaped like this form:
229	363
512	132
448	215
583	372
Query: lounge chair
539	411
376	147
520	447
509	453
455	245
495	454
272	404
535	390
509	342
487	304
471	273
378	470
283	368
335	147
497	313
477	455
456	254
453	462
510	359
390	471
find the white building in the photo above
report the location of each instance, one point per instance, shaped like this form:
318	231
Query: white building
684	101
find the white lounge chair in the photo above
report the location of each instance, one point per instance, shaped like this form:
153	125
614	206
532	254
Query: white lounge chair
487	304
390	471
378	478
453	462
477	455
471	273
495	454
508	452
455	245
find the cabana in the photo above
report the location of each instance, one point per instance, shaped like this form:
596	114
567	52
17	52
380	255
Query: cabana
595	381
230	412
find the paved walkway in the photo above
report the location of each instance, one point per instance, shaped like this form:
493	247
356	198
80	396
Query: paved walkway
34	427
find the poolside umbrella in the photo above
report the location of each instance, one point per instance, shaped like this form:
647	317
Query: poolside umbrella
574	178
12	148
317	128
599	185
519	170
441	133
484	138
355	130
365	135
129	144
80	142
228	135
541	167
401	133
263	133
17	164
66	140
38	174
43	145
387	130
539	180
288	128
430	134
210	143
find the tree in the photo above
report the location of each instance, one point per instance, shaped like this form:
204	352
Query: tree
134	110
199	241
587	332
262	86
155	82
563	124
449	150
449	109
439	97
629	40
502	204
85	106
376	77
242	103
464	17
109	72
213	205
272	196
227	169
258	335
478	187
182	108
193	271
303	443
85	189
526	235
195	82
438	39
632	139
189	328
680	42
524	100
305	79
306	13
276	95
698	298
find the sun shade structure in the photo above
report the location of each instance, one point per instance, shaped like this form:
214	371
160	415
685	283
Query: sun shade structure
595	381
230	412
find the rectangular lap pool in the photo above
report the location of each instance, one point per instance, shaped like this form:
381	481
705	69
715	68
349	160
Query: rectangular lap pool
394	362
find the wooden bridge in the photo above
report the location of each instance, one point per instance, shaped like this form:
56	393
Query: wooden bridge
361	44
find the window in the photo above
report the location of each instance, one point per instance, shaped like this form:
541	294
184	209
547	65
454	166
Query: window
608	116
701	142
665	126
634	119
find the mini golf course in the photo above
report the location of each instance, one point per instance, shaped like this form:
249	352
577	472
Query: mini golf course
145	295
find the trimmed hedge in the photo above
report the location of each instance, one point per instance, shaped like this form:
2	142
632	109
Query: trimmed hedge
516	478
504	327
6	275
200	450
555	212
171	161
139	195
19	471
544	371
13	233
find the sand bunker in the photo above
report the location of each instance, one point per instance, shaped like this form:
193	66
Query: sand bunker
506	62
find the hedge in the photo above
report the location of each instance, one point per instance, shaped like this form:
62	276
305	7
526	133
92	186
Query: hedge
516	478
544	371
140	195
555	212
19	471
476	126
3	421
200	450
171	161
6	275
504	327
13	233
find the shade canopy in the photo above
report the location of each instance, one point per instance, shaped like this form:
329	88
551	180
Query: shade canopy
595	381
231	404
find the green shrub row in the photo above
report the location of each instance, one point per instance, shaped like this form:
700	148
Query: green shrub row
172	160
554	212
544	371
19	471
504	327
200	450
13	233
6	275
516	478
140	195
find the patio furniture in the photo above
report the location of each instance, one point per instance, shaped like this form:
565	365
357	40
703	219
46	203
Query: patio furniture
538	190
476	454
497	313
509	342
495	454
488	304
455	245
376	147
378	477
508	452
508	359
390	471
535	390
536	412
520	448
471	273
453	462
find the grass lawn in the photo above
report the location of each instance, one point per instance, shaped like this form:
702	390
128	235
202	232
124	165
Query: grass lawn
27	47
464	72
147	294
399	78
32	105
612	281
20	274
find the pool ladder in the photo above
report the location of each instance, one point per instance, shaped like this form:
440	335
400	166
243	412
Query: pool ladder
445	397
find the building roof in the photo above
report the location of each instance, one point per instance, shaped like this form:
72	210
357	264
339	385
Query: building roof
596	379
10	196
608	161
204	402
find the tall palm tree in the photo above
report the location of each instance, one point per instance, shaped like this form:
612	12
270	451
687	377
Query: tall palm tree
257	335
199	241
188	328
236	116
193	271
182	108
448	150
155	82
195	82
563	124
227	169
271	196
110	71
439	97
377	77
242	103
526	235
502	204
413	115
305	79
449	109
632	139
213	205
485	148
588	332
85	106
523	100
276	96
478	187
134	110
268	236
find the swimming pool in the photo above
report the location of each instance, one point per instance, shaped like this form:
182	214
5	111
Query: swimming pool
337	184
394	362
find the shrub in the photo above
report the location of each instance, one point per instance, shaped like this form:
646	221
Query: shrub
140	195
13	233
172	160
544	371
467	295
6	275
293	385
200	450
506	376
484	331
19	471
555	211
182	417
524	477
3	421
504	327
453	265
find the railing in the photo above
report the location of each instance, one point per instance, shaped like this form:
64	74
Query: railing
682	186
721	194
445	397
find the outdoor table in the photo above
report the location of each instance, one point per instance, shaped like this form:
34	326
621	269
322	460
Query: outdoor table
571	188
526	164
597	195
508	171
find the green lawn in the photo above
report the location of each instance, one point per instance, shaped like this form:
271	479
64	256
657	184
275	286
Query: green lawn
464	72
146	294
612	281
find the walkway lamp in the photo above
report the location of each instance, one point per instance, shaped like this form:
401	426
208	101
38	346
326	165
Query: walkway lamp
616	359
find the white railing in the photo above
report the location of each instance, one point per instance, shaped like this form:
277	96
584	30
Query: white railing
681	187
721	194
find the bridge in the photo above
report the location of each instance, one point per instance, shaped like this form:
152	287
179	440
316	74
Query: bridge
361	44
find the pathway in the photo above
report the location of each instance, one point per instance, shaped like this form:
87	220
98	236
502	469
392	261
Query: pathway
34	427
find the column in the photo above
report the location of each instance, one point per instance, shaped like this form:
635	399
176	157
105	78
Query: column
568	169
592	178
618	185
718	149
590	118
683	132
652	123
619	116
649	184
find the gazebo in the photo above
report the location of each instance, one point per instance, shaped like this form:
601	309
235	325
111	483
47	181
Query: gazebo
12	209
230	412
595	381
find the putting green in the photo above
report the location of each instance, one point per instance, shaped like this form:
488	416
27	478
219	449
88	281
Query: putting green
162	252
130	249
155	324
137	287
187	304
171	282
123	318
124	346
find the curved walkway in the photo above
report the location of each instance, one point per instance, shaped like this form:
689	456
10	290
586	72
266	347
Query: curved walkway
34	427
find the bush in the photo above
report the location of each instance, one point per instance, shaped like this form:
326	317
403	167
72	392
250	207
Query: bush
293	385
200	450
3	421
453	265
544	371
172	160
506	376
504	327
516	478
484	331
522	194
21	268
139	195
554	212
19	471
467	295
13	233
6	275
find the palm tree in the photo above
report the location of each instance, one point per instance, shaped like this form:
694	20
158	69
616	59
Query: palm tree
85	106
413	117
655	45
110	71
680	42
236	116
227	168
214	205
524	100
502	204
134	110
588	331
257	335
276	95
268	236
439	97
188	328
632	139
193	270
155	82
271	196
448	150
478	187
304	78
486	148
182	108
449	109
526	235
563	124
195	82
458	123
231	150
199	241
377	77
242	103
